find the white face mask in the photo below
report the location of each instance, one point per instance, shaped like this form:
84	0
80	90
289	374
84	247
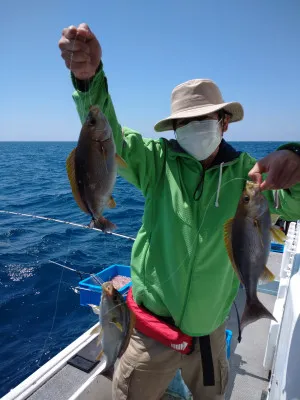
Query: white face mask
200	138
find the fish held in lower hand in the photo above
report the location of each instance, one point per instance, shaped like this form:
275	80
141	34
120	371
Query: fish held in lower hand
248	239
92	169
116	324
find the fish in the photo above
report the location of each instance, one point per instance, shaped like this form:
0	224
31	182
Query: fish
92	169
116	323
247	239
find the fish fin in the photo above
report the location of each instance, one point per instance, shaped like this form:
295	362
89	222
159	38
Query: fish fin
96	330
129	333
120	161
278	235
111	202
228	245
70	166
274	218
257	225
266	276
109	373
100	355
117	324
104	224
95	309
253	311
100	336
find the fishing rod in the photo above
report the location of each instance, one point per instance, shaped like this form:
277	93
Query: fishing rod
65	222
80	273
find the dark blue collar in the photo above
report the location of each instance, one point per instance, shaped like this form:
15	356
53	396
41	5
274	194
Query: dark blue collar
225	154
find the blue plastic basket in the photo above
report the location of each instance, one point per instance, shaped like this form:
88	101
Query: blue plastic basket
228	341
277	247
93	293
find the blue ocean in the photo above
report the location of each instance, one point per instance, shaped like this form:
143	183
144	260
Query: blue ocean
39	309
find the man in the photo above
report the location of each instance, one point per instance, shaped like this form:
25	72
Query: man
181	274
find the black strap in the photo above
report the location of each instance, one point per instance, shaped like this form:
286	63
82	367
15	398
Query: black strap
207	361
239	322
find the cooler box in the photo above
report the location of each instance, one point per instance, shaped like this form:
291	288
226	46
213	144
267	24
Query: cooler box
93	293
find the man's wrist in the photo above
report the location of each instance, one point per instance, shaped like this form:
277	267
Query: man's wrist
84	85
294	147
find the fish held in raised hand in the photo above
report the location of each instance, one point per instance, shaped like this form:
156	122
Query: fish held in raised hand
248	238
92	169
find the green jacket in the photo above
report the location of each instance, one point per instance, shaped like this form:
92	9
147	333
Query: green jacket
179	263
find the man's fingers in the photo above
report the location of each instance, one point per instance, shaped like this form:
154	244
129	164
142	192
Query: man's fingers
73	45
274	180
76	45
84	26
256	177
258	168
84	31
255	174
70	32
75	56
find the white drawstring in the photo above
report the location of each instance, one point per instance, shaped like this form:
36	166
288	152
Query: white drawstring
219	185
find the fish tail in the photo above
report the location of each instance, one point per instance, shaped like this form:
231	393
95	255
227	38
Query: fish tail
254	310
109	373
104	224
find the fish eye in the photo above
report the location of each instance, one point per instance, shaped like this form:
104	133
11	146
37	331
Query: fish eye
246	198
115	298
92	121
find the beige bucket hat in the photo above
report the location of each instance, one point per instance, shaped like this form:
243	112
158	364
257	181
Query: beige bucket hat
196	98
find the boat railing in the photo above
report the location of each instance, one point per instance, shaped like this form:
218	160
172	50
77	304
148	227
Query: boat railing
282	354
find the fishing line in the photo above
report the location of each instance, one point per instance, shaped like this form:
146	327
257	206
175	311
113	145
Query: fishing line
116	306
81	104
53	319
67	223
89	89
87	93
56	305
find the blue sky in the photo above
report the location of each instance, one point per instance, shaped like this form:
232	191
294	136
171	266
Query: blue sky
249	48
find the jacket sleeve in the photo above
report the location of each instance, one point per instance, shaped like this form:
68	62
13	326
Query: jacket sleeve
289	199
144	157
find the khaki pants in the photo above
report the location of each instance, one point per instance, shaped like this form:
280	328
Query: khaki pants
147	368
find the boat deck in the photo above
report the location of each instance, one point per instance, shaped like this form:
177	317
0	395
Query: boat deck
248	379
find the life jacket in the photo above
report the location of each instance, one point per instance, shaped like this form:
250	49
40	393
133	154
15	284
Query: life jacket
163	332
159	330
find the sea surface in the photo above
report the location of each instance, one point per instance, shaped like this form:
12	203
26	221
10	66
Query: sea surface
39	309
